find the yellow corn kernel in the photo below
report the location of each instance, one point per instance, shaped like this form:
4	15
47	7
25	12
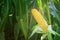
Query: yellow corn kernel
39	18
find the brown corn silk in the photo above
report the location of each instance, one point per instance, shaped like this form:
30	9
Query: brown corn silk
39	18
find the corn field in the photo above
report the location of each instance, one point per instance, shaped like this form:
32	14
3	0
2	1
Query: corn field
29	19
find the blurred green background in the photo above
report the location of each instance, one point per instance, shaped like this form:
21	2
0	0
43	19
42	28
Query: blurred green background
16	20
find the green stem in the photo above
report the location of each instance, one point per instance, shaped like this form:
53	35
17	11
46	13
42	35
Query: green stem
49	36
49	17
49	20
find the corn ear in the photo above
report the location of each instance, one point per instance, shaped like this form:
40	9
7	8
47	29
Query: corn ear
39	18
